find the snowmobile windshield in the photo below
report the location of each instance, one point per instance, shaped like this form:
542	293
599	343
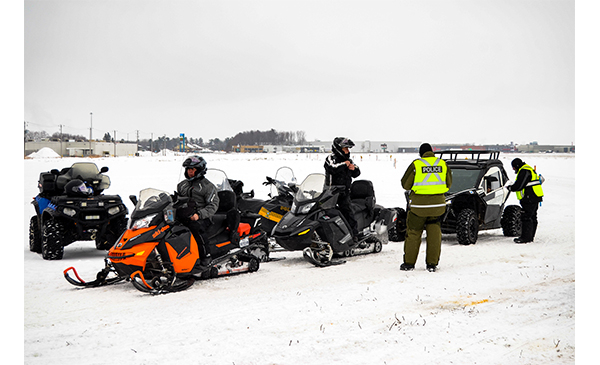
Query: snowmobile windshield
311	187
151	201
219	179
284	177
88	171
463	179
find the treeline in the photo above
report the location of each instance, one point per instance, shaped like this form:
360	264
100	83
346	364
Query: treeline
252	138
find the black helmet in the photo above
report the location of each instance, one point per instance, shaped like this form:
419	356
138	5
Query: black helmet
339	143
196	162
76	188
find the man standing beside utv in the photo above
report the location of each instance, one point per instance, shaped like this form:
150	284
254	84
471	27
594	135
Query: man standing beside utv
340	170
528	188
428	178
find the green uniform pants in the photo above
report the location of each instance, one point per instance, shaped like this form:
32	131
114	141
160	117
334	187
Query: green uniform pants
414	230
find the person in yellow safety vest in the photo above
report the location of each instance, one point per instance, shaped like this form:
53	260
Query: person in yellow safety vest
528	188
428	178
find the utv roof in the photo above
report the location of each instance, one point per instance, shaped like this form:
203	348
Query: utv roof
470	158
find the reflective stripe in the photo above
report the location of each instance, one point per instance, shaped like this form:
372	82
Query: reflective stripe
428	206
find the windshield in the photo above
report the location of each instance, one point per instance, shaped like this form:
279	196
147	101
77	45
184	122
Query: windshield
151	200
284	175
311	187
463	179
219	179
88	171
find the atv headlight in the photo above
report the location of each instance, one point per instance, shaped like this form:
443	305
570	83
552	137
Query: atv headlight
69	211
114	210
143	223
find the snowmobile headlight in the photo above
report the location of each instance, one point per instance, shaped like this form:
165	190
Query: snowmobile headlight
69	211
114	210
143	223
306	208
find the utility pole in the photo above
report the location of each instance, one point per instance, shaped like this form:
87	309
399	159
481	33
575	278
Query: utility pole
90	133
115	141
61	140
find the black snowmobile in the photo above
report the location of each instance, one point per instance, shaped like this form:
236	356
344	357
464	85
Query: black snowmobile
283	187
71	207
316	227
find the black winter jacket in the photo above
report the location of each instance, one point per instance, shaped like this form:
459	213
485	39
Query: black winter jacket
336	171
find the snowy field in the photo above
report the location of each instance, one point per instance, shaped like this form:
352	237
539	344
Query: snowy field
494	302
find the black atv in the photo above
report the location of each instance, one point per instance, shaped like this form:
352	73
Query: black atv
71	207
476	200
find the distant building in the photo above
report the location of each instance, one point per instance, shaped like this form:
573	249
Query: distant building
84	148
248	149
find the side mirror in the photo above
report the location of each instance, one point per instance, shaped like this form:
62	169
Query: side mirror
104	169
133	199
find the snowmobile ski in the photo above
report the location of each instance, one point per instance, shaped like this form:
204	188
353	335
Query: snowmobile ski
102	278
311	257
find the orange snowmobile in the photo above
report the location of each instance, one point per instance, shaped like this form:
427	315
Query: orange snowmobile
160	255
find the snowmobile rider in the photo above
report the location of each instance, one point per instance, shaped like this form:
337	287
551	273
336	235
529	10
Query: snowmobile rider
428	178
340	170
529	195
203	204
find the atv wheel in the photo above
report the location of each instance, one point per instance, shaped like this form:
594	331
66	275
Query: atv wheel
397	231
511	221
52	244
467	227
35	239
113	232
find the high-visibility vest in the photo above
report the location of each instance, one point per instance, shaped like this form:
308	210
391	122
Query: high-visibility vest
537	189
430	176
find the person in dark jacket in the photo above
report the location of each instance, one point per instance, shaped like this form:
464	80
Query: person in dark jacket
528	188
340	170
203	204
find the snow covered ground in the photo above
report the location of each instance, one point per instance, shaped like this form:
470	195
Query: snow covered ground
494	302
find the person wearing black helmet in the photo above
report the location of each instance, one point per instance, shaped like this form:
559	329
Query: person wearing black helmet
203	204
528	188
340	170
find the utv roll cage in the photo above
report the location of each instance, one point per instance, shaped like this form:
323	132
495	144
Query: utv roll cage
476	156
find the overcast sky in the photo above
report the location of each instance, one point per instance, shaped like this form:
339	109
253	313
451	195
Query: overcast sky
461	71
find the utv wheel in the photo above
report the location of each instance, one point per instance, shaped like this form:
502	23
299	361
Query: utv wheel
511	221
35	237
52	244
467	227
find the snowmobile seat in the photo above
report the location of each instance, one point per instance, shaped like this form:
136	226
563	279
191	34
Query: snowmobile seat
226	216
362	195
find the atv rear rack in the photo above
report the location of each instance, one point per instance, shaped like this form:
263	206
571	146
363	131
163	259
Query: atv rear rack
476	156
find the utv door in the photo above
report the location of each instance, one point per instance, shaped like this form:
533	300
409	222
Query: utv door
494	194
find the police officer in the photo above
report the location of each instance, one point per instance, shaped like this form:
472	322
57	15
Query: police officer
528	188
428	178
